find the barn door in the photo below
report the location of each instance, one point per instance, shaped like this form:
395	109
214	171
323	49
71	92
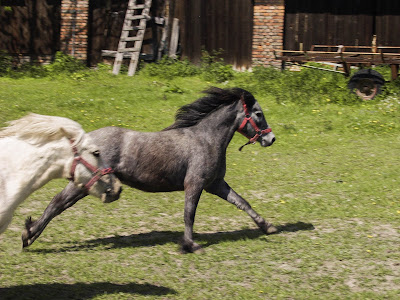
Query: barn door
105	23
30	28
388	23
339	22
214	25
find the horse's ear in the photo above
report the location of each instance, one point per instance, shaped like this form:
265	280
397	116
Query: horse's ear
74	137
67	134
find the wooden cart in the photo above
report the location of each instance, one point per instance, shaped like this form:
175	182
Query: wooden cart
366	82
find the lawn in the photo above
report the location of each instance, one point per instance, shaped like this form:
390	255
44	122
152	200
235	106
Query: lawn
330	183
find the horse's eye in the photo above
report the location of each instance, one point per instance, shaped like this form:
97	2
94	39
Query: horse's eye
96	153
259	114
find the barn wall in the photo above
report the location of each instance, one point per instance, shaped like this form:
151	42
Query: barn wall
30	29
74	28
268	31
106	18
247	30
105	25
341	22
387	23
213	25
83	28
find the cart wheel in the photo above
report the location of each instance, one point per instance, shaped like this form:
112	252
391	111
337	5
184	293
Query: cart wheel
366	83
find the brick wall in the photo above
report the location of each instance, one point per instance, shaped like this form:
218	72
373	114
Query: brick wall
74	27
268	31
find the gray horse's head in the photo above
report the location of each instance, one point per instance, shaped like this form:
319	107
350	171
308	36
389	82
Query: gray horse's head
252	122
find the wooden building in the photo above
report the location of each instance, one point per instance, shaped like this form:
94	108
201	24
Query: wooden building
247	30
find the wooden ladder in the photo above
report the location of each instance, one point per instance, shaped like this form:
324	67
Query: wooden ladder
132	17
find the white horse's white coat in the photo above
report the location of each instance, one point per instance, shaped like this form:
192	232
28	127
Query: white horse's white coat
36	149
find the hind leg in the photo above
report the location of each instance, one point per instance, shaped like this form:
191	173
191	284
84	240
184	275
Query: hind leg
63	200
5	213
223	190
5	220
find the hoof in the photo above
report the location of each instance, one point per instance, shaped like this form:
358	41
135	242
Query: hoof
25	239
26	233
191	247
271	229
268	228
199	250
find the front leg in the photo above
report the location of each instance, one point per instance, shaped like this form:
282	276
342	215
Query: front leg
63	200
223	190
193	191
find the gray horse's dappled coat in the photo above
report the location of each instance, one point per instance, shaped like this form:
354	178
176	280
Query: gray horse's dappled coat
189	155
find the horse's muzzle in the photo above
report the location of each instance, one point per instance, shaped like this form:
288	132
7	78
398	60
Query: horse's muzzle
112	194
267	140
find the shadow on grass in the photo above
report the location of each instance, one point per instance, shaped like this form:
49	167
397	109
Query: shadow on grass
163	237
293	227
79	290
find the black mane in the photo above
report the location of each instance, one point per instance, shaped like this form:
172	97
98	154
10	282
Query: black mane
191	114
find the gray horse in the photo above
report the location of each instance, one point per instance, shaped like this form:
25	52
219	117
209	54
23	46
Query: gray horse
189	155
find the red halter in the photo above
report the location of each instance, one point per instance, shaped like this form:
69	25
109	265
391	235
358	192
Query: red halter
97	173
248	118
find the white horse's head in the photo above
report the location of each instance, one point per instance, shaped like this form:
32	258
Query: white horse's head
88	171
77	153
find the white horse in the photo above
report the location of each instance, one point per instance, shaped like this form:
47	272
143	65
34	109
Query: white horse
36	149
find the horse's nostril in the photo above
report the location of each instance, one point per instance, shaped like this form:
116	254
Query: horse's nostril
273	140
109	190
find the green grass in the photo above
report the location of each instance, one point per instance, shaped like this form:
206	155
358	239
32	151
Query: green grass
330	182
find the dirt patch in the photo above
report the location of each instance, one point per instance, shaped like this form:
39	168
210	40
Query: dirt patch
370	262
